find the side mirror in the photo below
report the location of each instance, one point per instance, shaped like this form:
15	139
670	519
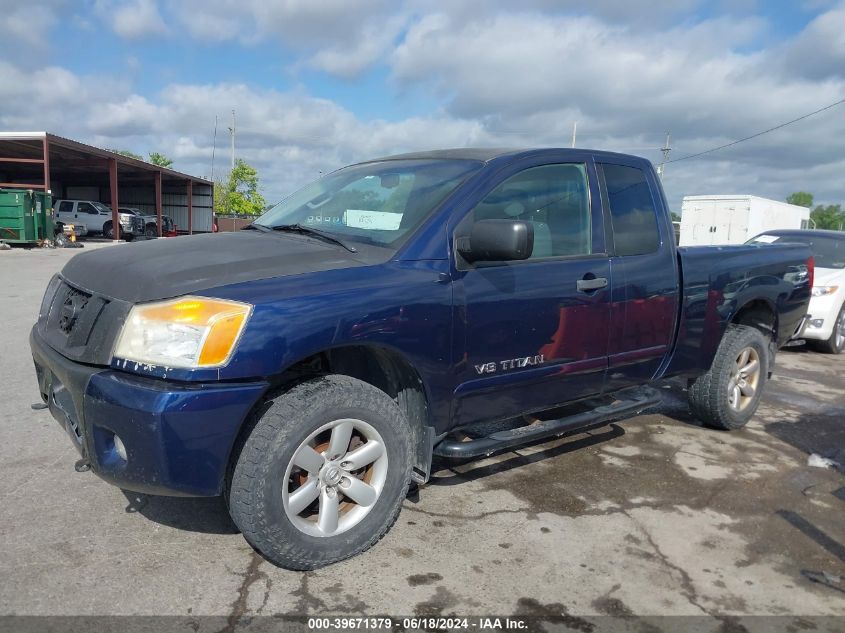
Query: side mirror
497	241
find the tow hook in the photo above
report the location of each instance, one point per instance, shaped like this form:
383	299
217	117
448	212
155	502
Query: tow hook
82	466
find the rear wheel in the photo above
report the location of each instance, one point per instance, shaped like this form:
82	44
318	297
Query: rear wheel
151	231
108	231
836	343
729	393
323	473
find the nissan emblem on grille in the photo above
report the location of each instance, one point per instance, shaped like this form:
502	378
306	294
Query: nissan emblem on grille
72	307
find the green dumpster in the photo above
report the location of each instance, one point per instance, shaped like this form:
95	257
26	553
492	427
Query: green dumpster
26	216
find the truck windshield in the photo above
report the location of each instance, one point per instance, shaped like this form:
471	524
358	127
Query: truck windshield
828	252
378	203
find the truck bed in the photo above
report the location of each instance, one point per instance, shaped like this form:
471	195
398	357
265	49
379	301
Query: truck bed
718	281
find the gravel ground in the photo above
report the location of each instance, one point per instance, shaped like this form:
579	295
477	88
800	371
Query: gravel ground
650	515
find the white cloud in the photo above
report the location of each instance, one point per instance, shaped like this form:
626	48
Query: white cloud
299	24
350	59
819	51
133	19
26	23
495	77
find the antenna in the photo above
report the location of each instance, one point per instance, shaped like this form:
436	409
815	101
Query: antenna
213	148
232	134
665	149
574	132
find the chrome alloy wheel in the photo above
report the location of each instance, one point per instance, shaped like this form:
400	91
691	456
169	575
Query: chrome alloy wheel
335	477
745	379
839	330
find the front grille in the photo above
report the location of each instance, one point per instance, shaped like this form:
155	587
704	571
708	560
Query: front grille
72	308
81	325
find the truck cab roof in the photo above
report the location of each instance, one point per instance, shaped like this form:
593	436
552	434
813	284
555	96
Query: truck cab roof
488	154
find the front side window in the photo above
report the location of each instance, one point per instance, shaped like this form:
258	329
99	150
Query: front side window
86	207
379	203
632	212
554	199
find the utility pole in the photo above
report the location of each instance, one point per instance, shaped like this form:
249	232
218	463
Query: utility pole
574	131
213	148
665	149
232	134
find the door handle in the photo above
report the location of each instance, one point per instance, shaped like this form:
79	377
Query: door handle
588	285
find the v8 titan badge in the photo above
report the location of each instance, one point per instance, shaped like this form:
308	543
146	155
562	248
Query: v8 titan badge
511	363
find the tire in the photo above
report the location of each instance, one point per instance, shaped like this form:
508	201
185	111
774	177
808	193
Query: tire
836	343
265	478
151	230
108	233
713	396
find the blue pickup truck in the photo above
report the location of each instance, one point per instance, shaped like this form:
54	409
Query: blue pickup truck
446	304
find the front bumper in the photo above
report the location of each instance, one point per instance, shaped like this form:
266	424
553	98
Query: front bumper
80	230
825	310
178	437
132	226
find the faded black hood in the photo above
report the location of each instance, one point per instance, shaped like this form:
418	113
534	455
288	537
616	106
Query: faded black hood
164	268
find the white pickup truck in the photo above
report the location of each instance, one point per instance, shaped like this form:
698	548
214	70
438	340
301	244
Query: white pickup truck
97	217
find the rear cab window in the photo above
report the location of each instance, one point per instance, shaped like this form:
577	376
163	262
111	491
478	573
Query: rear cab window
630	204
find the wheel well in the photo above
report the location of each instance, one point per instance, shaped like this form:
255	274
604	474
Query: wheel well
758	314
385	369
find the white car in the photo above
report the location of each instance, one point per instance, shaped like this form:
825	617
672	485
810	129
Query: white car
826	328
97	217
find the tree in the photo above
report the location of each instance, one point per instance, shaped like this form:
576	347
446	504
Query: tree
127	153
239	196
801	198
675	216
828	217
160	159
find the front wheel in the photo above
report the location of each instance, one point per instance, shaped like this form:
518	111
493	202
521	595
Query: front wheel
323	473
728	395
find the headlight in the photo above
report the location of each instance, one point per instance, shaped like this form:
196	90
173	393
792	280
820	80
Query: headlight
821	291
187	332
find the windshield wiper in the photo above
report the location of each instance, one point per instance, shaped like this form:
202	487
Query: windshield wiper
307	230
256	227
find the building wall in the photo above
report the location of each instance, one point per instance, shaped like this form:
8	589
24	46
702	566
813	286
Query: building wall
174	202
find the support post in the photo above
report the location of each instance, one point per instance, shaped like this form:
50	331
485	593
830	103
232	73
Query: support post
190	207
46	164
115	214
158	200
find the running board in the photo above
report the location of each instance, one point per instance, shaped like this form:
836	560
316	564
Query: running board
627	402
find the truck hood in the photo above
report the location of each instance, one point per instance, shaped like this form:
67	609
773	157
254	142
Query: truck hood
162	269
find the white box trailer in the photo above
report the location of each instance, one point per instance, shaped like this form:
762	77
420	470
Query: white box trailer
707	220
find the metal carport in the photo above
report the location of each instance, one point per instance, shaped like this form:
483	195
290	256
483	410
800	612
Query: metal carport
72	170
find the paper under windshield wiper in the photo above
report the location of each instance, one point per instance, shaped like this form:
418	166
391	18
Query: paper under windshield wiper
307	230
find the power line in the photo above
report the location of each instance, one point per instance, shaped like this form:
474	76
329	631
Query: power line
748	138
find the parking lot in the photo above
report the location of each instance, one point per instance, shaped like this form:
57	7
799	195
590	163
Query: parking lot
649	515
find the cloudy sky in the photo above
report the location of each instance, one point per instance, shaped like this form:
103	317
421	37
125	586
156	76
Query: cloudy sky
320	83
